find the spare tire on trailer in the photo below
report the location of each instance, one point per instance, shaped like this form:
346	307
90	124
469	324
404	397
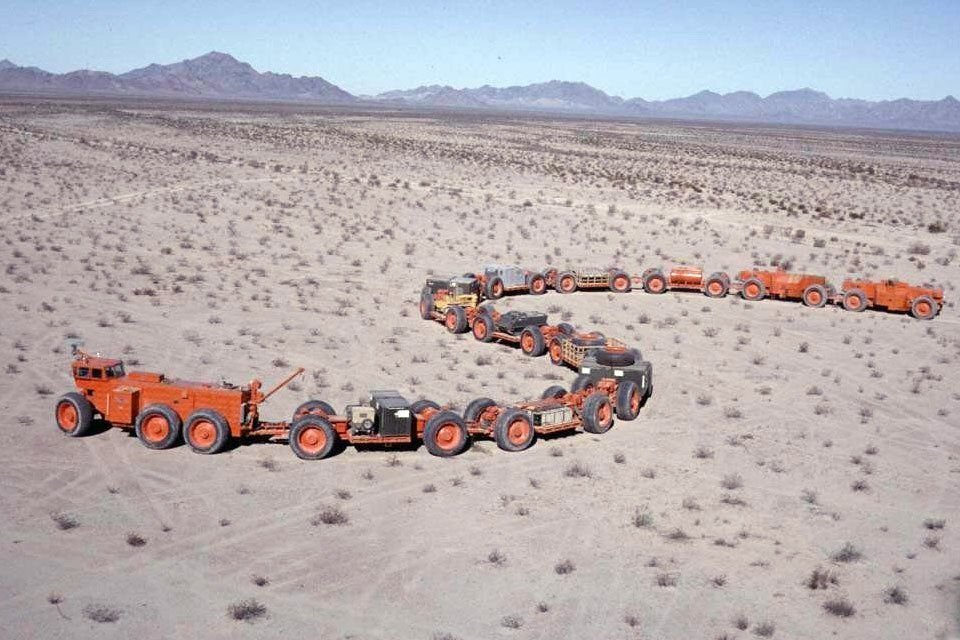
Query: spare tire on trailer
620	281
553	391
612	357
312	437
513	430
426	306
445	434
597	413
417	406
476	408
313	406
591	339
581	382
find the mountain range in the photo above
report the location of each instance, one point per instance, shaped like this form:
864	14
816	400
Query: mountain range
220	76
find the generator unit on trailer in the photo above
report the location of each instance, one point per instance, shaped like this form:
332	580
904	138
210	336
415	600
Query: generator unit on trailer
497	280
385	419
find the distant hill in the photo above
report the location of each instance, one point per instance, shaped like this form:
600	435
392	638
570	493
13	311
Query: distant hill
219	75
802	106
214	75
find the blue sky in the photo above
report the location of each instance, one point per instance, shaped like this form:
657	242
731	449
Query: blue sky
655	50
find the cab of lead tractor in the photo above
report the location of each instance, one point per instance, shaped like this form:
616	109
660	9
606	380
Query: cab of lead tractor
386	414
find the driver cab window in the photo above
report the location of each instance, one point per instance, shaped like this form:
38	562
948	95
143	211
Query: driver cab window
83	372
97	373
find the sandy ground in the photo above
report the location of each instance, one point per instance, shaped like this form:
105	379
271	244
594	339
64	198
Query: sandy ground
238	243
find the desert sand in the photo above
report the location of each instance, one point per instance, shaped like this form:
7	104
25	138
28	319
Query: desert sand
784	448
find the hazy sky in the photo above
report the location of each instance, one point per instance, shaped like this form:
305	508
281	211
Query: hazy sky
849	48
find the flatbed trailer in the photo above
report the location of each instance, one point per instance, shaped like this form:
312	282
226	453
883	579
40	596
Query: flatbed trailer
515	427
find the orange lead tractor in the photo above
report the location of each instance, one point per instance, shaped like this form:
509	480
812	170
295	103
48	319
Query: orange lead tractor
208	416
892	295
813	291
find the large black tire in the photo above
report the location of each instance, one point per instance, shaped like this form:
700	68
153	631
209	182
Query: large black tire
445	434
620	281
597	413
426	306
417	406
312	437
555	350
629	399
566	282
855	300
753	290
615	358
581	382
158	426
477	407
532	342
455	319
553	391
592	339
513	430
494	289
815	296
923	308
483	328
654	282
566	328
717	285
206	431
74	415
313	406
538	284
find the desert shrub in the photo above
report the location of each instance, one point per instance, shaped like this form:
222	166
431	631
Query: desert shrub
839	607
249	610
847	553
821	579
101	613
330	516
564	567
